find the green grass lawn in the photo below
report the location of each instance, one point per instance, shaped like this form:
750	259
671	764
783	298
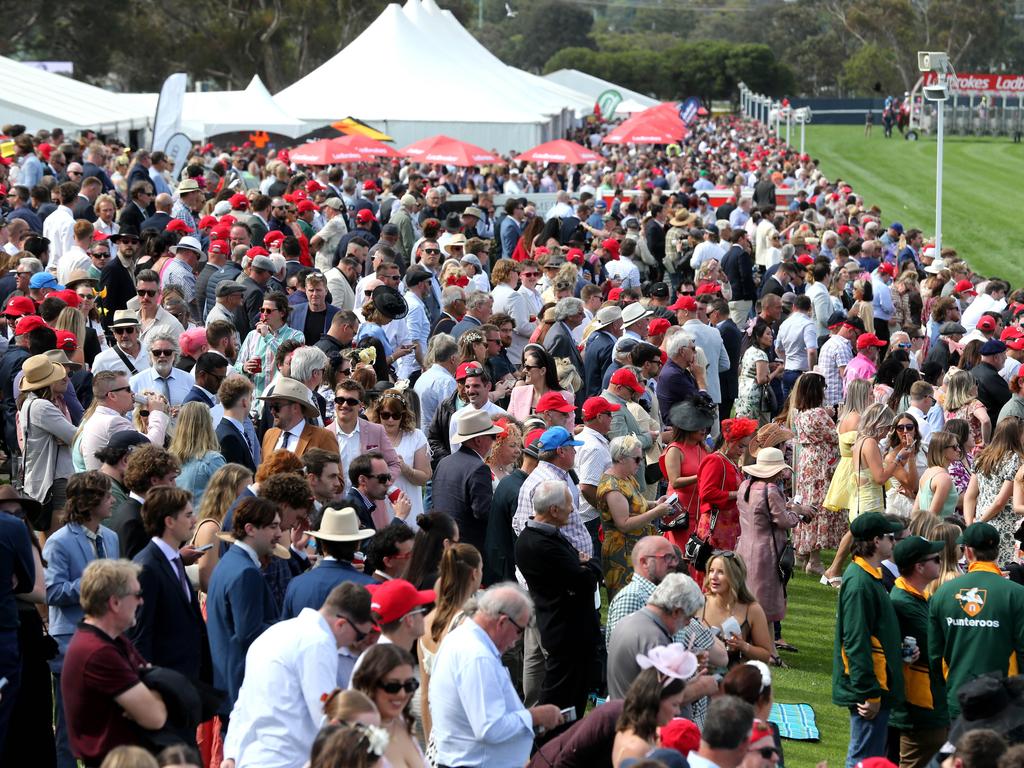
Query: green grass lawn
981	208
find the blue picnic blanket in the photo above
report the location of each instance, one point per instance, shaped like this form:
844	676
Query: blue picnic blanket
795	721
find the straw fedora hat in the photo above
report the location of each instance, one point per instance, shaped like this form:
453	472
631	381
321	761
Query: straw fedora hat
124	317
294	392
41	372
606	316
770	462
341	525
635	312
473	423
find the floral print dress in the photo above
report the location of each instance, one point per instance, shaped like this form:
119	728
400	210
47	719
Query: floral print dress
617	549
816	462
1005	521
748	399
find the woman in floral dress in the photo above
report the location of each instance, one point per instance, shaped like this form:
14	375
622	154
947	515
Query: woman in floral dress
989	497
755	371
962	402
816	458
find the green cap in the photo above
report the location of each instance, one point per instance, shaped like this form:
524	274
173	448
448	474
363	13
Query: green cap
914	549
979	535
870	524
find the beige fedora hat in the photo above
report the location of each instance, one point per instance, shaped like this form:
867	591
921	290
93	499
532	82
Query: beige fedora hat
471	422
294	392
634	312
341	525
41	372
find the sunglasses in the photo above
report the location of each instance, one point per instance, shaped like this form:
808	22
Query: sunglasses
519	629
124	331
162	352
118	389
144	292
265	311
409	686
529	274
932	559
360	635
353	401
128	240
686	293
390	415
384	477
905	427
100	254
765	752
432	250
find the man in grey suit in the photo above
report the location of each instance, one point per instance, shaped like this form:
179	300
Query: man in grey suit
692	316
462	482
559	341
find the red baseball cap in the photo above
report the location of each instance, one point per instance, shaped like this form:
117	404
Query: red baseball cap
28	323
680	734
1009	332
207	221
68	296
626	378
365	216
866	340
1016	343
612	245
19	306
657	326
67	341
804	260
986	323
964	286
239	202
394	599
177	225
574	255
370	184
876	762
255	251
553	401
595	406
314	186
685	302
614	294
844	230
228	219
888	269
708	289
222	231
307	205
220	247
277	236
468	369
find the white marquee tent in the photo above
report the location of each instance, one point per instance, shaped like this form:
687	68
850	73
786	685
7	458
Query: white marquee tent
39	99
632	101
210	113
461	92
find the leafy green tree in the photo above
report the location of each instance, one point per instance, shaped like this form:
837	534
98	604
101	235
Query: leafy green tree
865	68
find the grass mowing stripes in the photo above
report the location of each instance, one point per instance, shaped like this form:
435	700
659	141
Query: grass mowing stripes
981	178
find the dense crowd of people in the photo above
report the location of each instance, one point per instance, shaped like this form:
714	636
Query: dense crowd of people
334	467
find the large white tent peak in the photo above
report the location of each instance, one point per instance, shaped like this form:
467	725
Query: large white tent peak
591	86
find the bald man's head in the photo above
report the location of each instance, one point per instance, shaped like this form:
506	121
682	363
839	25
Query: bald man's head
164	202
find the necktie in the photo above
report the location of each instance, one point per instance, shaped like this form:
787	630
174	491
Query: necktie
287	436
101	551
180	568
165	383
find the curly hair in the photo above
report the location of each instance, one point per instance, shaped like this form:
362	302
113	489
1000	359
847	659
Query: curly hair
276	462
287	488
392	396
146	464
85	492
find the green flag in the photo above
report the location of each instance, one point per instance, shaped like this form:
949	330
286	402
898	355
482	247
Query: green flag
607	103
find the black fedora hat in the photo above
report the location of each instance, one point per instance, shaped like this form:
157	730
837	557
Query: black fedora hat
988	702
389	302
127	231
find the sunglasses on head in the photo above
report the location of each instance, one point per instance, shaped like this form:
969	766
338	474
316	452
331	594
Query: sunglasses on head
393	686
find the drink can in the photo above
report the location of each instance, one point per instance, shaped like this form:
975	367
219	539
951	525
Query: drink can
909	647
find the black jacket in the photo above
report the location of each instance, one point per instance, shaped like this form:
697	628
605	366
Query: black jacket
117	286
126	522
437	432
462	488
233	445
157	221
11	363
739	268
732	337
993	391
251	303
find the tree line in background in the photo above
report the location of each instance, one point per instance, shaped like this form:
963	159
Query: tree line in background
666	48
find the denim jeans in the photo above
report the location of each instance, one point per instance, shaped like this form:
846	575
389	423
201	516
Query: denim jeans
789	378
867	737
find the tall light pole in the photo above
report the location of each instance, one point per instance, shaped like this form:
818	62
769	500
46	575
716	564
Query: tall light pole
937	63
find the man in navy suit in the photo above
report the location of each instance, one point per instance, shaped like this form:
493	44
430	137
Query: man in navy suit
159	220
598	354
210	370
239	603
315	312
236	398
732	338
462	482
338	538
169	629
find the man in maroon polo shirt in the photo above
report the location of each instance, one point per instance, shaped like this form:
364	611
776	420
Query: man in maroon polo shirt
100	684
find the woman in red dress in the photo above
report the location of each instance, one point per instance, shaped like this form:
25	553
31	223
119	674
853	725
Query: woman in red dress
718	480
691	420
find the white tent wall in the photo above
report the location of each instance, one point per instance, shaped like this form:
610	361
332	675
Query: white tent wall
39	99
593	87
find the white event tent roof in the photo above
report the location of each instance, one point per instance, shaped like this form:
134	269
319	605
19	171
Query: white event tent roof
632	101
465	91
38	99
210	113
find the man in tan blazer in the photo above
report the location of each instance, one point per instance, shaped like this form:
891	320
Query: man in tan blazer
291	405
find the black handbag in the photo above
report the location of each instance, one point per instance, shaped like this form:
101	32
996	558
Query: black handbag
698	551
767	403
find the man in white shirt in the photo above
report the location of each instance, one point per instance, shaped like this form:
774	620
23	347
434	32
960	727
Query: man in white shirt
477	716
709	249
127	353
925	410
821	302
593	459
415	323
289	671
438	382
59	226
797	343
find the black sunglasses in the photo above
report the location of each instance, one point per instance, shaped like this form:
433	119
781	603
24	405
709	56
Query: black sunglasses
384	477
162	352
353	401
144	292
118	389
409	686
514	623
431	250
121	331
360	635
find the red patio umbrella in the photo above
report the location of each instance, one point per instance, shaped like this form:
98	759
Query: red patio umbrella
561	151
323	152
448	151
364	145
656	129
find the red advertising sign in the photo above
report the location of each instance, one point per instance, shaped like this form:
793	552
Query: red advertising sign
993	85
